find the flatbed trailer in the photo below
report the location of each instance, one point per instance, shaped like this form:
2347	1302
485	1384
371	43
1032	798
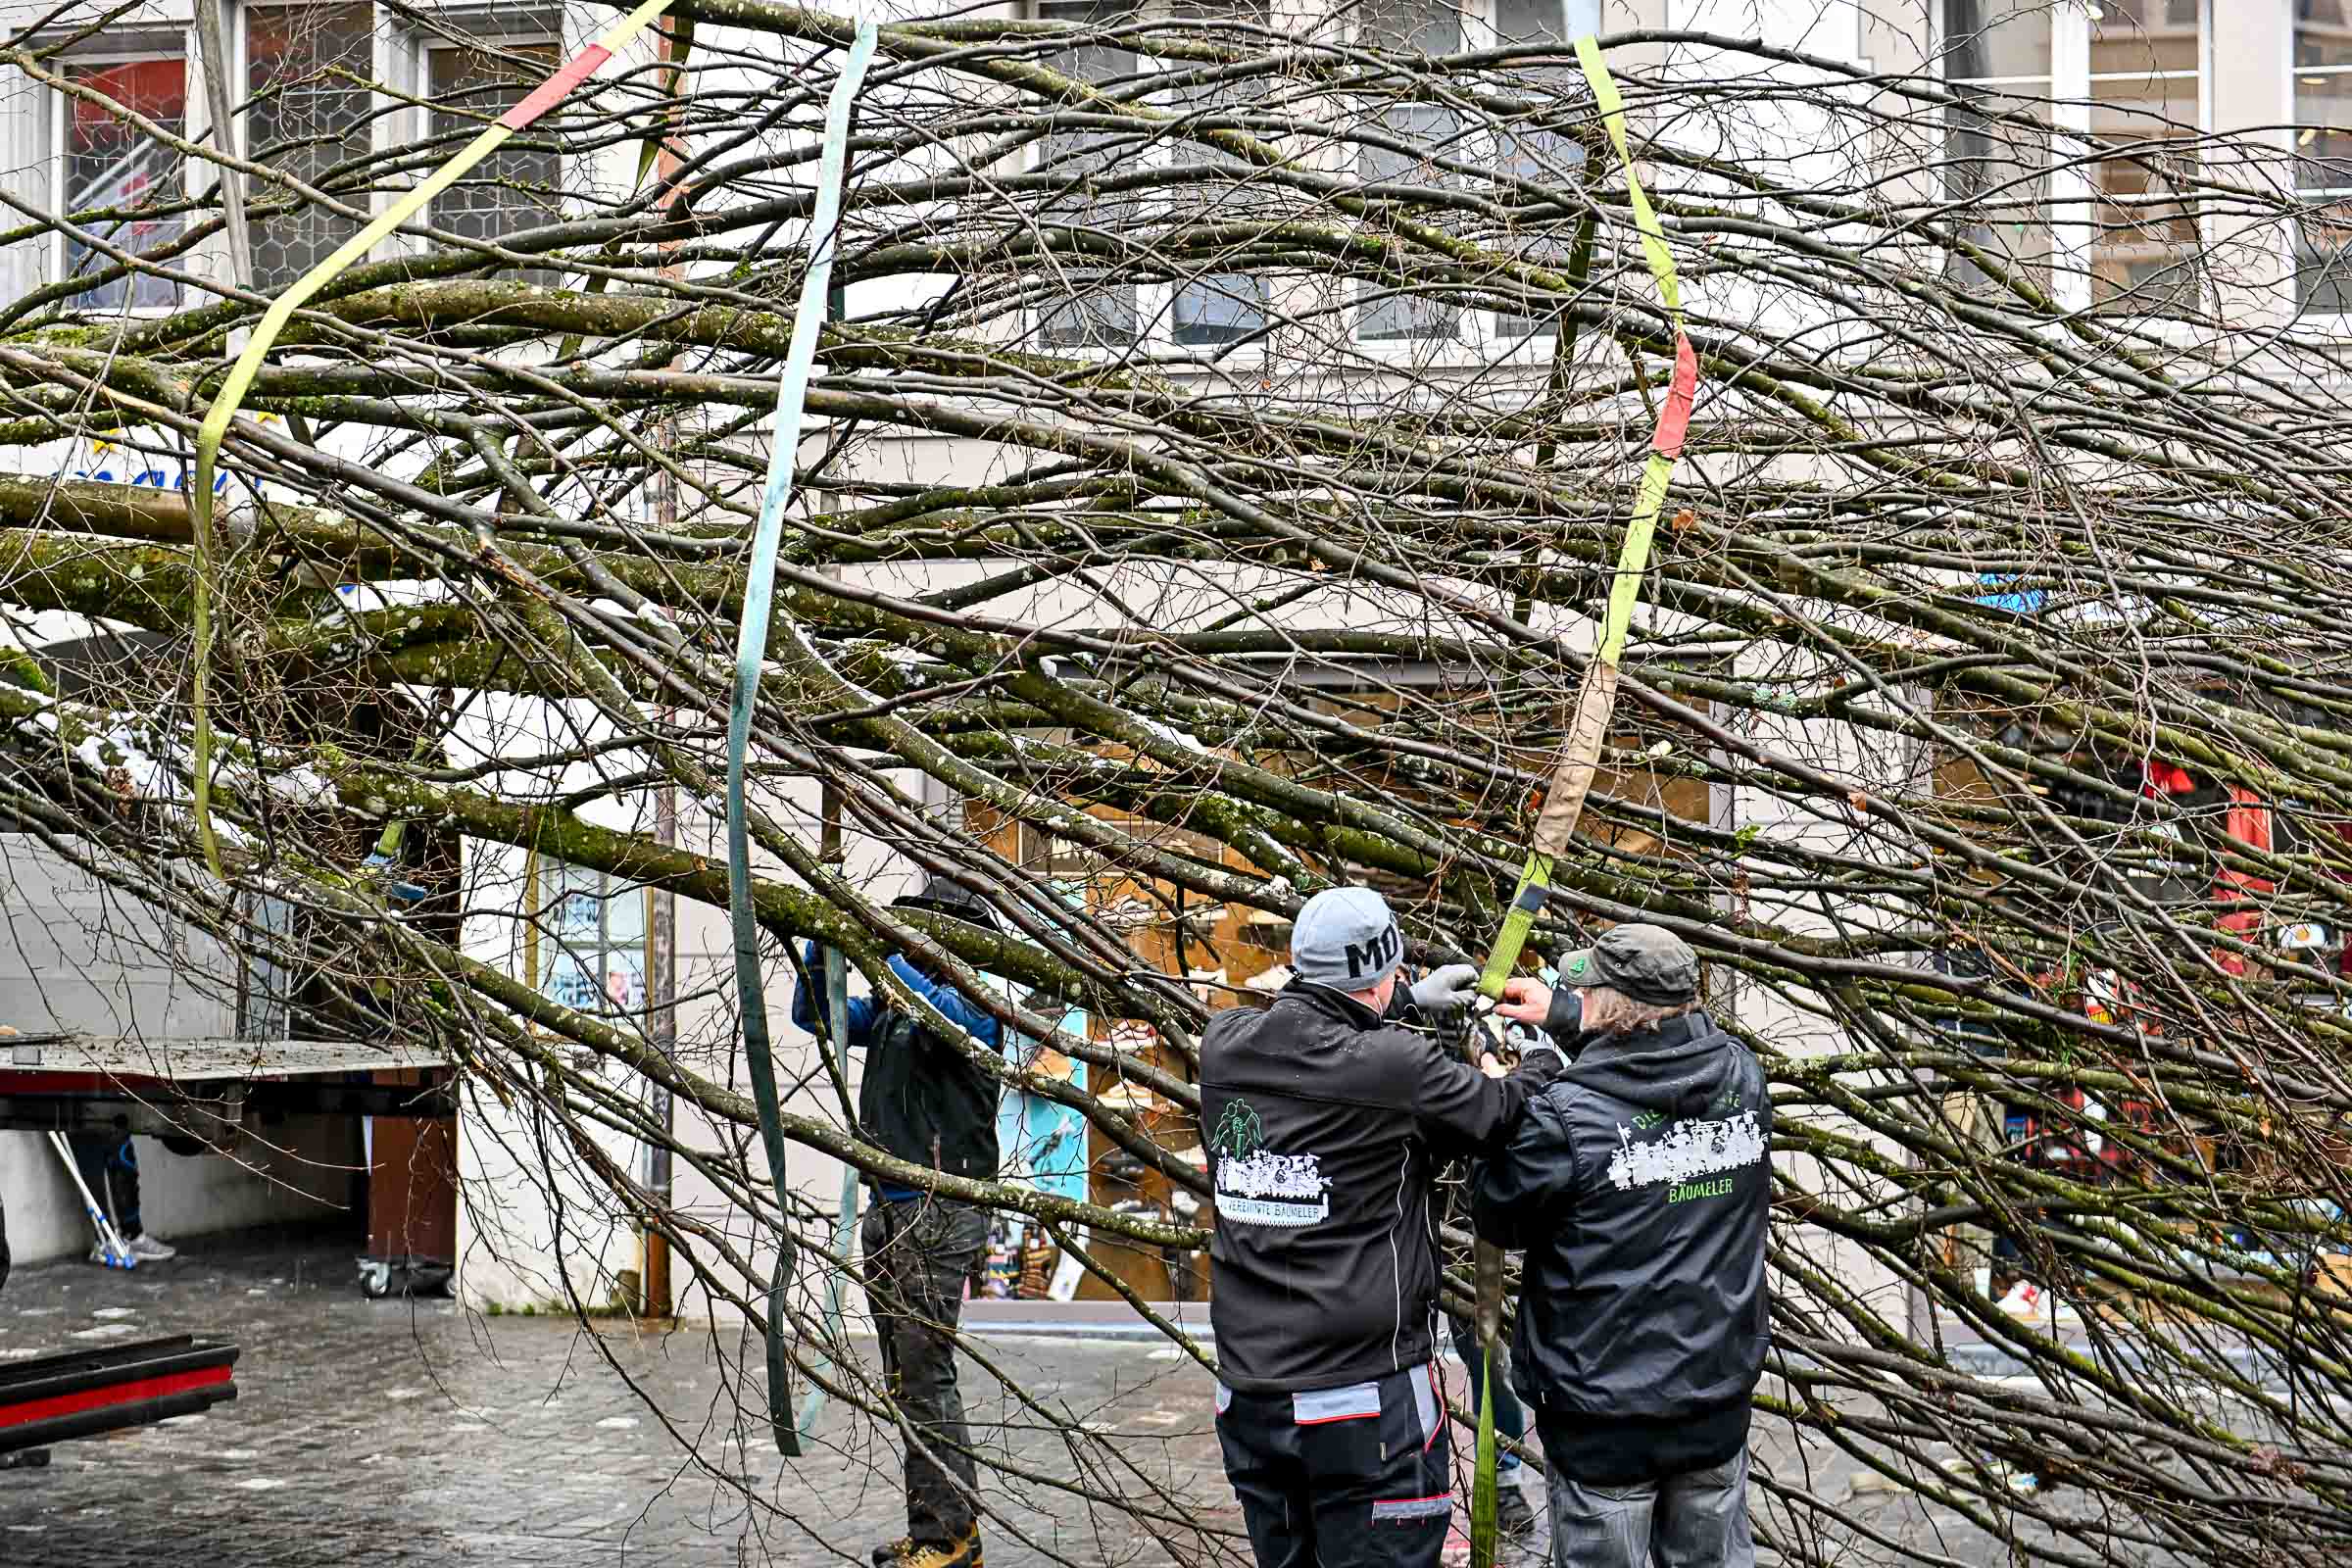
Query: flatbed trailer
205	1093
203	1090
86	1393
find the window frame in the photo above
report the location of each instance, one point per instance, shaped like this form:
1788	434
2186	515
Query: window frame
1154	303
1481	29
1148	301
55	265
538	919
1250	350
384	27
526	28
399	58
1479	340
1470	342
2074	197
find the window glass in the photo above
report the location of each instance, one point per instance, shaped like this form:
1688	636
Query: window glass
1100	312
516	187
590	941
1220	307
2142	96
112	170
2144	259
1541	157
1996	59
2323	154
307	67
1392	312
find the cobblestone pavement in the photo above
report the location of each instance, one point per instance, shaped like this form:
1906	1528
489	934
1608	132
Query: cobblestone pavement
409	1432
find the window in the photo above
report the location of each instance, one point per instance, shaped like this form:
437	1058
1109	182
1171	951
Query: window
2144	92
514	189
1391	311
2323	154
311	110
1539	156
1221	307
2123	74
1101	314
1998	63
1202	306
588	943
307	67
1048	854
111	171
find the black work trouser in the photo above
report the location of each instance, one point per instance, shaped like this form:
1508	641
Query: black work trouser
917	1254
1359	1476
110	1168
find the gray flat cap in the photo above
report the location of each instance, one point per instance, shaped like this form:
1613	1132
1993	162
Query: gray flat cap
1647	963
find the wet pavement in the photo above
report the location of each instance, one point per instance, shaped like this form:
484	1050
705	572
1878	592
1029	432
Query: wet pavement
411	1432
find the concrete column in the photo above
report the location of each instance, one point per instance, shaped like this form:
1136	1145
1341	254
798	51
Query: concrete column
2249	51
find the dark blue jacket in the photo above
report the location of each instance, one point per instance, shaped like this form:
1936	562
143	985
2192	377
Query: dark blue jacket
919	1097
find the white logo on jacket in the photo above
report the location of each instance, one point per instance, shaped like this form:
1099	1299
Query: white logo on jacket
1688	1150
1268	1189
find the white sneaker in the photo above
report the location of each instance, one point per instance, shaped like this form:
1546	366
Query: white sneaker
2024	1300
152	1248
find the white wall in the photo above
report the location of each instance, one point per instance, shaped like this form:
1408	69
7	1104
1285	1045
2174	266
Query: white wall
1797	1022
537	1224
75	955
307	1178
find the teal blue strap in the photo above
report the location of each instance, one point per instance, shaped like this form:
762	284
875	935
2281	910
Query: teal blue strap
751	649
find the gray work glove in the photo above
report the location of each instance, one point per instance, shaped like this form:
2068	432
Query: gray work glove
1447	989
1531	1044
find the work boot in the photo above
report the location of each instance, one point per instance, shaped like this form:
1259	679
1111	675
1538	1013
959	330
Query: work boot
1513	1517
964	1553
890	1553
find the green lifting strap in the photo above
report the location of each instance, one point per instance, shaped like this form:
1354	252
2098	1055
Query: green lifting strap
1580	754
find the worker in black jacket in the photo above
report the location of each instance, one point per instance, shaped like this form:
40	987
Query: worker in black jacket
1639	1182
1327	1121
923	1098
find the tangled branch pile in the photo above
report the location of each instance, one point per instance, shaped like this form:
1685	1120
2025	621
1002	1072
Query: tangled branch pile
1215	459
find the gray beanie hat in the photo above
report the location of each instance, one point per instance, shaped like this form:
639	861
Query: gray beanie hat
1346	938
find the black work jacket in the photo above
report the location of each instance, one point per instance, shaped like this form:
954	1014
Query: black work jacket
1325	1126
1639	1182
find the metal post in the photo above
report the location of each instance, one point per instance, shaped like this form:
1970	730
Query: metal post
211	49
836	1024
657	1300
